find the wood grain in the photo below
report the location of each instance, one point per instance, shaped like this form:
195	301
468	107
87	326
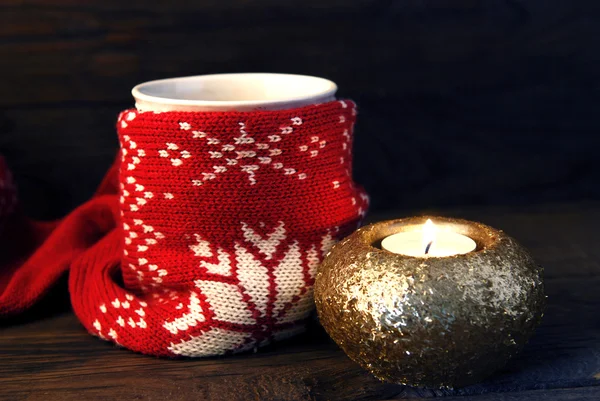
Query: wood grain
52	358
461	102
57	172
574	394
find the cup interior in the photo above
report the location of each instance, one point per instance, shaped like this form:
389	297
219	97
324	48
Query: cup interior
242	92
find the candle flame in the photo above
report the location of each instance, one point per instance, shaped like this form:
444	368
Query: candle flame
428	235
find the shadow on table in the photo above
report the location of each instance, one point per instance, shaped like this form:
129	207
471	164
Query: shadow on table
54	303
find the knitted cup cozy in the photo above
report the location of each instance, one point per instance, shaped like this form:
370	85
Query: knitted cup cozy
224	217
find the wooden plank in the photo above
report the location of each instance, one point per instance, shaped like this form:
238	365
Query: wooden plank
58	157
461	102
66	363
54	359
571	394
66	51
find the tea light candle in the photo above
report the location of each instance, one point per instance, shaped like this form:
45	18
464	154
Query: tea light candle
428	241
403	317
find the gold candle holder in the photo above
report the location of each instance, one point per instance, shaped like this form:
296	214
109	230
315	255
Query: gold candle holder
438	322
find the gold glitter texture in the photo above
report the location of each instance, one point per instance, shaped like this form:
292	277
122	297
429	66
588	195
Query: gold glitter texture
430	322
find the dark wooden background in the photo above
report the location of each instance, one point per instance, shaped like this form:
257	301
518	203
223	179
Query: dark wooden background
462	101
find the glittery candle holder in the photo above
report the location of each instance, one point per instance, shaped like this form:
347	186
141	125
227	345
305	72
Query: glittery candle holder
437	322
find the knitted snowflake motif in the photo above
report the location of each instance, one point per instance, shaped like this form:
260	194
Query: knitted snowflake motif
247	154
261	289
193	291
246	297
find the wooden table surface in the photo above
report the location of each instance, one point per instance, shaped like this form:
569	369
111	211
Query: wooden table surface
49	356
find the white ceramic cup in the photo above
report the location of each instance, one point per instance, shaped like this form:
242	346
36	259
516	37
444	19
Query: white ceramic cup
233	92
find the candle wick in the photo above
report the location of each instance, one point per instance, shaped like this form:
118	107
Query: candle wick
427	247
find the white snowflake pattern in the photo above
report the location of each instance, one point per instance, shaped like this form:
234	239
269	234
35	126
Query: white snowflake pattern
246	154
174	154
140	236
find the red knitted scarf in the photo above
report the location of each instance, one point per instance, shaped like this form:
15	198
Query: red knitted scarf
213	240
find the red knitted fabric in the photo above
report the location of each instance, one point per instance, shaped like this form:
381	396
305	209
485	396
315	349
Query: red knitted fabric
224	218
35	254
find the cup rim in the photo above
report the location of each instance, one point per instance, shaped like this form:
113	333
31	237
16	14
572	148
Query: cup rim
139	95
